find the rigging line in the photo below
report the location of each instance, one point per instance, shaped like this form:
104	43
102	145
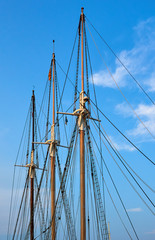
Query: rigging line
100	210
24	215
37	126
65	187
13	180
86	60
72	171
58	119
49	98
26	183
36	137
112	198
47	193
87	52
71	83
51	219
39	201
123	173
122	133
65	233
127	169
64	177
37	195
42	101
68	68
29	132
120	89
95	200
124	159
77	67
120	198
67	76
77	209
56	123
56	92
88	179
40	113
87	191
122	63
97	108
66	203
113	201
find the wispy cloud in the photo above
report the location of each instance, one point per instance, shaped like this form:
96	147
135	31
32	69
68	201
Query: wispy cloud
119	145
102	78
145	112
134	210
140	60
151	82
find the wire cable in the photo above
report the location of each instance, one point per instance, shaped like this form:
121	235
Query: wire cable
123	134
120	198
120	89
124	174
68	69
127	169
122	63
124	159
111	122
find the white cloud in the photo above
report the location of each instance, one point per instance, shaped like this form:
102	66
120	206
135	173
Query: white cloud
140	60
124	109
151	82
134	210
119	145
102	78
145	112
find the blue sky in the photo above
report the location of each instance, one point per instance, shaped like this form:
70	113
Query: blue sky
27	29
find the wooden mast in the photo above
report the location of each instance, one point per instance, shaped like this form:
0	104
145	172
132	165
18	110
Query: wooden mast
32	174
52	153
82	148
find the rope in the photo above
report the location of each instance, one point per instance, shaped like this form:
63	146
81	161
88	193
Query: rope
125	175
128	170
120	198
122	134
124	159
122	63
111	122
120	89
68	69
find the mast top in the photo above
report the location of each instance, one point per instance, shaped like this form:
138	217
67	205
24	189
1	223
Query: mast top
82	10
53	49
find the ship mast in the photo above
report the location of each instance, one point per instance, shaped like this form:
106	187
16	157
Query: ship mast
52	155
82	133
32	169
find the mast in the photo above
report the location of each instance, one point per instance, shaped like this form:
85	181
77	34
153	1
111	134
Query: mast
52	154
32	174
82	148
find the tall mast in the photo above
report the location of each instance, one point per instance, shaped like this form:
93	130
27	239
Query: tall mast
52	154
82	148
32	174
